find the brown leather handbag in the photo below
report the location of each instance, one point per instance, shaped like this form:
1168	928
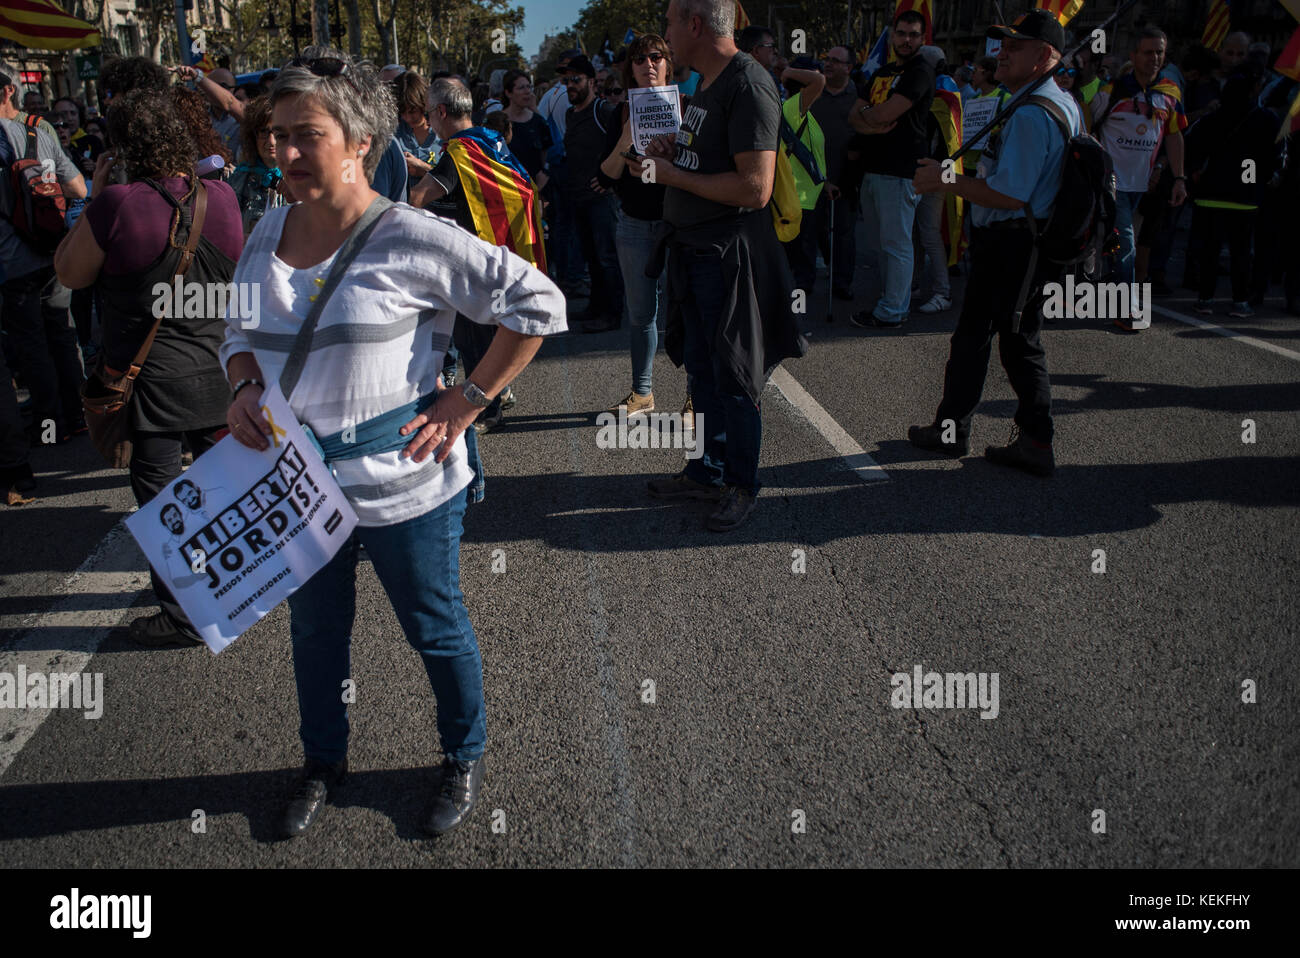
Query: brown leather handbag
105	398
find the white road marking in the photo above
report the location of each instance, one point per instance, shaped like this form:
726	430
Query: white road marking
855	457
94	600
1229	333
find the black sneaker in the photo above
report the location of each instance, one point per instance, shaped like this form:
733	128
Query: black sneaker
736	505
682	487
931	438
1024	454
458	787
158	631
310	796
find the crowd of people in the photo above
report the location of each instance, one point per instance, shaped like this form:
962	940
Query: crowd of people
225	183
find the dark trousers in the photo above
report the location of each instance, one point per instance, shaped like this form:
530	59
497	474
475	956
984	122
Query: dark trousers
473	340
801	252
14	444
44	346
732	425
845	254
594	221
155	462
1214	227
999	260
562	250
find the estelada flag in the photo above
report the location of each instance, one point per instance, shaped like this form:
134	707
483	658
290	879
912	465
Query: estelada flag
742	18
1216	25
947	112
502	198
1063	10
1288	61
41	25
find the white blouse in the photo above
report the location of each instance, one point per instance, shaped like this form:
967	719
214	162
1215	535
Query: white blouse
381	339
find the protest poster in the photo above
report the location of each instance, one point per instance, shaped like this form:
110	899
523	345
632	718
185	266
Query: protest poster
242	530
655	111
975	113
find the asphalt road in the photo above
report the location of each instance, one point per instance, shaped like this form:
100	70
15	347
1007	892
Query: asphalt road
1119	692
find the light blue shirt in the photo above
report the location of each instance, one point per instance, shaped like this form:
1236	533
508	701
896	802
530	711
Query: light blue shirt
1026	161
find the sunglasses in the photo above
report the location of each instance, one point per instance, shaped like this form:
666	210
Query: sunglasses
652	57
1066	72
326	67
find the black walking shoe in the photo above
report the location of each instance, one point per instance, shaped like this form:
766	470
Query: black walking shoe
736	505
458	788
931	438
158	631
310	796
1024	454
682	486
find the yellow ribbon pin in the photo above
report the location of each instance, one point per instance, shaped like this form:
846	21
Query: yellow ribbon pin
276	431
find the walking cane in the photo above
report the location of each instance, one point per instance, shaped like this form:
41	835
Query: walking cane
830	268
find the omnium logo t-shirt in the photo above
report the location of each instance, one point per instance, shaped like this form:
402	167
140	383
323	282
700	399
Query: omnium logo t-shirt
1133	130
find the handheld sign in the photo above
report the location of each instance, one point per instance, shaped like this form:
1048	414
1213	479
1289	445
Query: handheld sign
655	110
242	530
976	113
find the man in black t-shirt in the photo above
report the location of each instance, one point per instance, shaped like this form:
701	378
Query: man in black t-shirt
895	117
719	171
593	206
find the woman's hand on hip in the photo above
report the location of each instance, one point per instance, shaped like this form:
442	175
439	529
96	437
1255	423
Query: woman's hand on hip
245	418
439	426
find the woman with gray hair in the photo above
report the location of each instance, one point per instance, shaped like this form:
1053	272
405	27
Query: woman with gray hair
359	296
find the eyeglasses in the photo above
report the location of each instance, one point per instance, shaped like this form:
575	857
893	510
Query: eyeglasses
908	34
327	67
766	43
838	60
614	91
652	57
574	80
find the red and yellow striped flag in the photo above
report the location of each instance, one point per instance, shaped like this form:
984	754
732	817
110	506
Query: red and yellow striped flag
1217	25
1288	61
40	25
947	110
742	18
502	199
1063	10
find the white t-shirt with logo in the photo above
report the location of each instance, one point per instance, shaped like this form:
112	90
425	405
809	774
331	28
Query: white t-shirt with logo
1132	132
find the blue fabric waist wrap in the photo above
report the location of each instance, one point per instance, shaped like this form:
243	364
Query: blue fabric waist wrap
380	434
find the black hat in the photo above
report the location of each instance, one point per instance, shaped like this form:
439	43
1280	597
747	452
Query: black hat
562	61
580	64
1037	24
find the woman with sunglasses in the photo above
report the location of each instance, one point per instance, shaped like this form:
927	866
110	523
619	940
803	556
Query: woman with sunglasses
370	360
257	180
641	207
1067	79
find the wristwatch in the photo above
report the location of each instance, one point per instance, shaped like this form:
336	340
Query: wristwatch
476	396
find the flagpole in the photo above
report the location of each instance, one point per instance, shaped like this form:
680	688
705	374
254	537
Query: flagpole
183	36
1019	99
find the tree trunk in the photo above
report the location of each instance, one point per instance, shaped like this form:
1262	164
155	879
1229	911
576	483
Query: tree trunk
354	27
385	50
320	22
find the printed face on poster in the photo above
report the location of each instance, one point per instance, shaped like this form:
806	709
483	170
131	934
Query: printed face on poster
242	530
655	111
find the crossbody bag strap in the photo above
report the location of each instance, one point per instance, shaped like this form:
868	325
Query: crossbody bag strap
346	254
187	256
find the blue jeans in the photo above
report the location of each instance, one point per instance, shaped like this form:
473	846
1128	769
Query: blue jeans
634	239
1125	205
892	202
418	564
732	430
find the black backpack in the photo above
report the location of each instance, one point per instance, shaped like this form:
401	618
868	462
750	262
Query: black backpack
1081	228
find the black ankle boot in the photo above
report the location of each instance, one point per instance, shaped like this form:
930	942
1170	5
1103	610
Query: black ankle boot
458	788
310	796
